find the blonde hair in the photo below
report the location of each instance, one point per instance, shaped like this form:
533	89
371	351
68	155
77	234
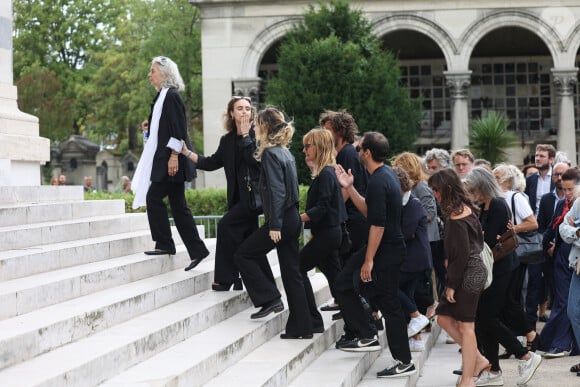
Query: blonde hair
323	142
510	173
274	130
411	163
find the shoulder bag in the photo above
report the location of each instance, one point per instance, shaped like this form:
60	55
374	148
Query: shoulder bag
530	249
254	196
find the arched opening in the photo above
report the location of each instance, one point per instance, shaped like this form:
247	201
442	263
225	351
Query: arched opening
422	65
511	74
268	68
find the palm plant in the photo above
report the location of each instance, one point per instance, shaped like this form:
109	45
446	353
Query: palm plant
489	137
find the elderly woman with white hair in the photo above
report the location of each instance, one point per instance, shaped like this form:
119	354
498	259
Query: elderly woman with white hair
162	170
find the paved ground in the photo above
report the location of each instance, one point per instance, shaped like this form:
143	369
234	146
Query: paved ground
444	358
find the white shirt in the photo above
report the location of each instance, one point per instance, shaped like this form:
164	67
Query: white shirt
543	188
522	203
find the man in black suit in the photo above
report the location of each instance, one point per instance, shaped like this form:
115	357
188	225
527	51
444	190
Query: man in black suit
540	183
165	168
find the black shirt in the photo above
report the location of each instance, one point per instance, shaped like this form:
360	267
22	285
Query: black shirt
348	158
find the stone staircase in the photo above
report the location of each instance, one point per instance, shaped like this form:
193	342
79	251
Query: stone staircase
81	305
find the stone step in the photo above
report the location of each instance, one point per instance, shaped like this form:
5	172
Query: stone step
93	359
38	234
385	359
34	333
338	368
195	361
40	194
37	291
26	213
277	362
39	259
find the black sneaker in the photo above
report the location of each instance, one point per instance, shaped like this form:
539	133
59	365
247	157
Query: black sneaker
360	345
399	370
343	339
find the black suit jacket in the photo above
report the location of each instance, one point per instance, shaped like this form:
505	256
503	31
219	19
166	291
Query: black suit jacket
546	211
173	123
532	188
236	163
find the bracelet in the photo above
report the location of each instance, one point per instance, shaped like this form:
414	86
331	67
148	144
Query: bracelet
189	154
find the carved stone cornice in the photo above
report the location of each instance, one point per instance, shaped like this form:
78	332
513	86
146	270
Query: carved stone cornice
248	87
565	81
458	83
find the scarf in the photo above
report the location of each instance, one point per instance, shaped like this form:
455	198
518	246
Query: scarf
142	177
560	218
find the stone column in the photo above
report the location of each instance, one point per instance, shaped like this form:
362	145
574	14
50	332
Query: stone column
565	80
22	150
458	83
248	87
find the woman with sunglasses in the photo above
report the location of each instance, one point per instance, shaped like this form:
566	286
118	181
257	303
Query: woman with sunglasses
235	154
325	213
279	188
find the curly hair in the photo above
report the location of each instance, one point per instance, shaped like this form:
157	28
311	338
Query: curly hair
440	155
274	130
322	141
341	122
229	122
411	163
406	182
171	76
507	173
452	192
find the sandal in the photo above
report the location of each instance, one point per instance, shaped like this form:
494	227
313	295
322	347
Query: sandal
575	368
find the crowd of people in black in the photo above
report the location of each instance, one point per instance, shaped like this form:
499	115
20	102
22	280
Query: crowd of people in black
400	244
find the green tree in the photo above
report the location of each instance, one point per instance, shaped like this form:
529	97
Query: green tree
58	38
331	60
489	138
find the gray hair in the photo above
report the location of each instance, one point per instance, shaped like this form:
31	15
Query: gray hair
171	76
440	155
507	172
483	180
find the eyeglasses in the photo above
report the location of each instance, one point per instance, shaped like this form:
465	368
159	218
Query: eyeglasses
162	60
238	97
558	174
306	146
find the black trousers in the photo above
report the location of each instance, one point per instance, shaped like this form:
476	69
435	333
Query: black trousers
233	228
159	219
321	252
257	274
513	314
383	292
489	326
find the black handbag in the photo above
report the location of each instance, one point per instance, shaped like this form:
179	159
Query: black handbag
254	196
529	250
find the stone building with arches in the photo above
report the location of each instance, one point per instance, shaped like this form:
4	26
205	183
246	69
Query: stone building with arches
463	58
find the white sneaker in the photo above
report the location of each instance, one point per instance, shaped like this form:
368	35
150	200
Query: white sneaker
486	378
416	345
416	325
527	368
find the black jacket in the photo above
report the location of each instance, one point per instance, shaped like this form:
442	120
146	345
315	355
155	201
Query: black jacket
278	185
324	204
172	123
532	187
236	155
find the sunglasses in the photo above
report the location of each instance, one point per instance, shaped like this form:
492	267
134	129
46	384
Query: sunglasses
306	146
238	97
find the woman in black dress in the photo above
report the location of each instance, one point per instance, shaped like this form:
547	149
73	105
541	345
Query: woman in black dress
466	274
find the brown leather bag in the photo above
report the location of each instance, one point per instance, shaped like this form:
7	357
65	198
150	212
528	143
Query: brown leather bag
506	244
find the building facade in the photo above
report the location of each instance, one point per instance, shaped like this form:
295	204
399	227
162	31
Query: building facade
462	58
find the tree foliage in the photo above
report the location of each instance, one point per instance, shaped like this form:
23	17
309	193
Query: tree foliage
489	137
93	57
331	60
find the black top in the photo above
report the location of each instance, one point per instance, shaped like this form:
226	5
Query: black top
384	207
414	227
348	158
324	204
236	155
494	222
